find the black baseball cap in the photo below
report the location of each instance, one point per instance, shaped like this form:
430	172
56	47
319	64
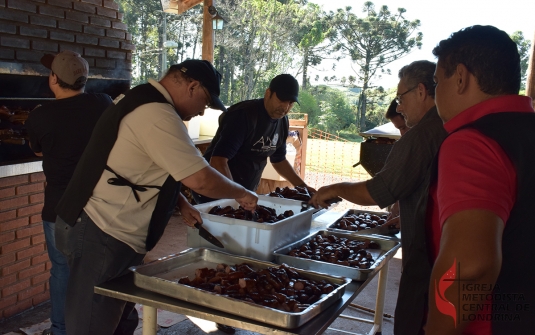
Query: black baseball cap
204	71
286	87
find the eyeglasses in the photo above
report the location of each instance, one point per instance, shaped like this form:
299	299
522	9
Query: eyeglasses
398	97
209	98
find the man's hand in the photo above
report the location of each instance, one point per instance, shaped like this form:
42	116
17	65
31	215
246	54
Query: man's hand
190	215
311	190
323	194
249	201
394	221
393	216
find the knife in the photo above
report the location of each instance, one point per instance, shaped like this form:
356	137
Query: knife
305	205
207	236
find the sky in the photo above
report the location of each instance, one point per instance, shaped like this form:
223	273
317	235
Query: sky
438	20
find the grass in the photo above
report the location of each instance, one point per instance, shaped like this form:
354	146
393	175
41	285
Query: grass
333	157
330	162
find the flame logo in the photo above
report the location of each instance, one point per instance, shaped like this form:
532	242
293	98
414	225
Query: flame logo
444	305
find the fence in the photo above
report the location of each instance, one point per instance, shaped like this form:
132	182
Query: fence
330	160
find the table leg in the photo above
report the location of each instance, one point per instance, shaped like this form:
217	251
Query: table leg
150	317
380	300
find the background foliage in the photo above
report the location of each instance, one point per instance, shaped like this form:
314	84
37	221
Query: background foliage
263	38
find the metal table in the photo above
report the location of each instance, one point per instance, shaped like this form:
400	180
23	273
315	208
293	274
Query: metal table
123	288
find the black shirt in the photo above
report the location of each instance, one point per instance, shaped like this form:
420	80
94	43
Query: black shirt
247	136
60	131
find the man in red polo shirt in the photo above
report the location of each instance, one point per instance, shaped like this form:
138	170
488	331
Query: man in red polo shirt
480	216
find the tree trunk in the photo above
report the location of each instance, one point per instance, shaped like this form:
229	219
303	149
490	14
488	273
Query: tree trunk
362	103
224	66
365	82
183	40
142	65
530	82
232	85
305	69
195	43
162	37
248	81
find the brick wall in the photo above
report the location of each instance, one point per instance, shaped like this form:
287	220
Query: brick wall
93	28
24	264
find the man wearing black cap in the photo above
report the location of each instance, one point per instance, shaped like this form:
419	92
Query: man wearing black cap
253	130
126	186
59	131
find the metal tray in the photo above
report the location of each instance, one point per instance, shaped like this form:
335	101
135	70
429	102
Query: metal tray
387	251
160	276
382	230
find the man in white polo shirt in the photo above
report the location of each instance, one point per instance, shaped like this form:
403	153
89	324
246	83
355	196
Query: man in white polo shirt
127	183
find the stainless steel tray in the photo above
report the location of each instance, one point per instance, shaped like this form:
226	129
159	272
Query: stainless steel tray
382	230
160	276
381	256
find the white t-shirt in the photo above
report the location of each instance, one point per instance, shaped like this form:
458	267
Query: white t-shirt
152	143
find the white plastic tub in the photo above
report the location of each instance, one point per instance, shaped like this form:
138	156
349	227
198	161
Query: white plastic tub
193	126
253	239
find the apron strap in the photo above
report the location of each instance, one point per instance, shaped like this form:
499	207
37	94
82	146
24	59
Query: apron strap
121	181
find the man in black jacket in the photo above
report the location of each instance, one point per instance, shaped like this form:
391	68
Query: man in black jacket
405	178
252	131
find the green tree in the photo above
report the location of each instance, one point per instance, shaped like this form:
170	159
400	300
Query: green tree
524	46
378	101
186	30
311	31
143	20
308	104
335	112
259	43
373	42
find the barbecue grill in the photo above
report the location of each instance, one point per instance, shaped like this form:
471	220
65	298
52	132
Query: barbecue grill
22	93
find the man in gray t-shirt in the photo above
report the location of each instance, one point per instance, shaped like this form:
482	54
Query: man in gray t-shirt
405	178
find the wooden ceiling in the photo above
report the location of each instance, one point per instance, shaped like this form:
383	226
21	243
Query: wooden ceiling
179	6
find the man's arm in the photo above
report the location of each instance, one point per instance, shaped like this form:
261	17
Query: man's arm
356	193
213	184
471	253
221	165
39	154
287	172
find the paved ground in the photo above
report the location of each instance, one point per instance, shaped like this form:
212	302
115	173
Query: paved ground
174	241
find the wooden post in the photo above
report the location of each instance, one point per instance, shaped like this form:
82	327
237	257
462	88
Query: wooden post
207	33
530	81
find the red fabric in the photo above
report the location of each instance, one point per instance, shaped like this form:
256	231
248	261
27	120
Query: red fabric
474	176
